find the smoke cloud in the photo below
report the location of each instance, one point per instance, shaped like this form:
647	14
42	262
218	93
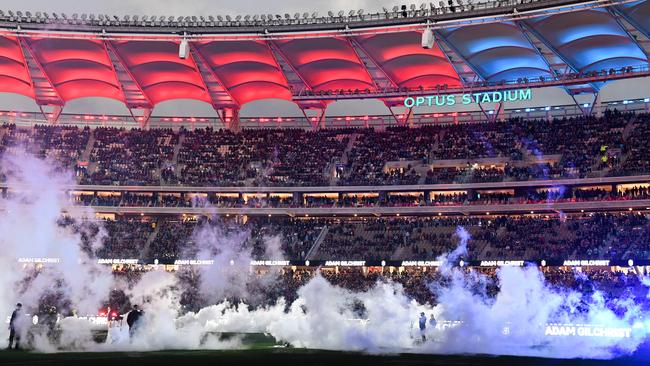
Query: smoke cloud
474	314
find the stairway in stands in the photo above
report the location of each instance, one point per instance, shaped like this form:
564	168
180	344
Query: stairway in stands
343	160
311	253
85	154
146	250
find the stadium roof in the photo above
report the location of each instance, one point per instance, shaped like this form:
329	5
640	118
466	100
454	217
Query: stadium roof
55	65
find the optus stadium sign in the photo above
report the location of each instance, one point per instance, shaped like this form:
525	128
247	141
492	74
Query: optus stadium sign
469	98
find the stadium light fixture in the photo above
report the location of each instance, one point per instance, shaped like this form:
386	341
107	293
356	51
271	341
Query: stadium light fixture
220	18
256	17
296	16
330	14
351	13
341	13
305	15
228	18
428	38
184	48
314	15
247	18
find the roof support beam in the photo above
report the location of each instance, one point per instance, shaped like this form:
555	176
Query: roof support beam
285	60
526	35
135	98
45	93
452	47
617	12
553	49
108	56
357	45
356	53
205	70
618	17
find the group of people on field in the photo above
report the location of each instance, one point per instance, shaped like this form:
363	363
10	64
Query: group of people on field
17	324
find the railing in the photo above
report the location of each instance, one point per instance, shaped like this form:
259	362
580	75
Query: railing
381	121
396	14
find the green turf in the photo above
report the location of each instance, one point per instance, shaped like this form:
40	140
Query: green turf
278	356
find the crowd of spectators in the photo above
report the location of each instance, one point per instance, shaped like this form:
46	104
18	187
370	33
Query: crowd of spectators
516	149
585	236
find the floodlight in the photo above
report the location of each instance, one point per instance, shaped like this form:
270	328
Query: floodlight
330	13
228	18
305	15
351	13
341	13
247	18
296	16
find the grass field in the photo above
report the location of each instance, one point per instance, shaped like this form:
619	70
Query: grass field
284	356
262	349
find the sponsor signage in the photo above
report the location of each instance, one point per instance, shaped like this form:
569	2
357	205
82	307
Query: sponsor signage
117	261
468	98
39	260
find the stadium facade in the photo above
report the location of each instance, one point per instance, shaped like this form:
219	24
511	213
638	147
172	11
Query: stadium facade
312	61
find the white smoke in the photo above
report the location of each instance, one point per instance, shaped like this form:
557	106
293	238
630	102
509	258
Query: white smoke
31	230
382	319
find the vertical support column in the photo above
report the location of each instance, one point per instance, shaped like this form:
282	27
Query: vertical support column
142	119
596	106
409	118
230	118
51	115
499	113
316	122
